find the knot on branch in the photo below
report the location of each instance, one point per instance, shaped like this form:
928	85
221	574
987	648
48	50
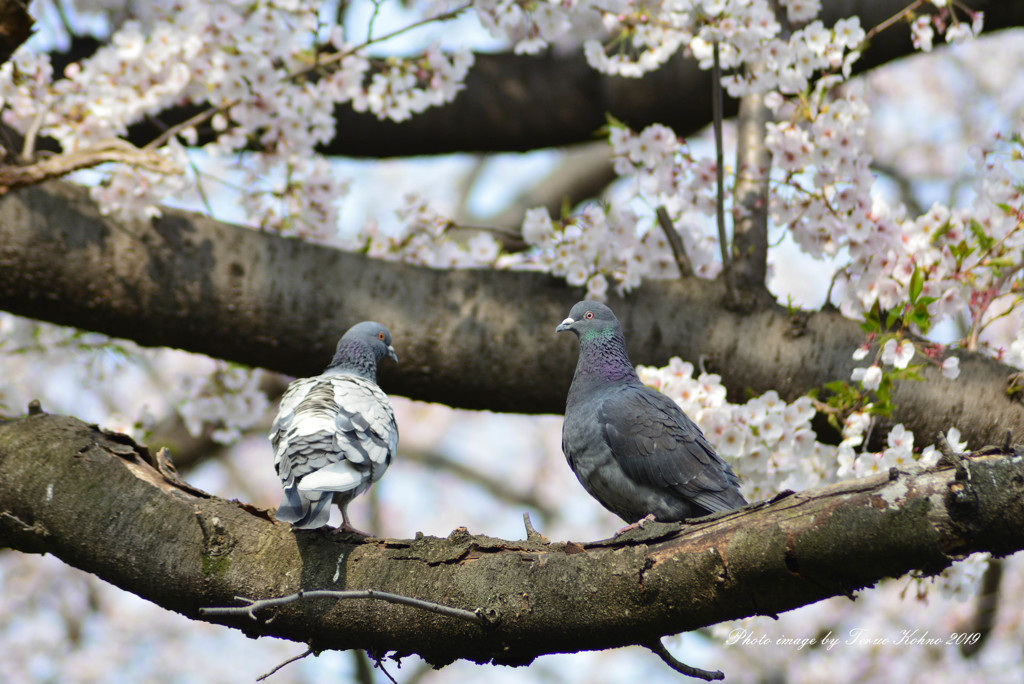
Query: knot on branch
217	542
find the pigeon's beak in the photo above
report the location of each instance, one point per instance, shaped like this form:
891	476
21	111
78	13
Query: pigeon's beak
392	354
565	325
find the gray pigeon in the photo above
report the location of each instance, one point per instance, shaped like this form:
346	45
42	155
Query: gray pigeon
632	448
335	434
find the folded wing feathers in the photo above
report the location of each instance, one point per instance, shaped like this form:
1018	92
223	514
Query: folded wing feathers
332	433
668	449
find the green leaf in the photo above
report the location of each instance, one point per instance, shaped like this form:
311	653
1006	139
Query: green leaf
837	386
882	408
890	319
916	284
985	241
1002	262
943	229
922	320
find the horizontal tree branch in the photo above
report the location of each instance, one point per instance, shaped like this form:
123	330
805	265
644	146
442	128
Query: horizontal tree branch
479	339
94	500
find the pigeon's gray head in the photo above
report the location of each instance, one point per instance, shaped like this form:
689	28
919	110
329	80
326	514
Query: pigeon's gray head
602	348
589	319
362	347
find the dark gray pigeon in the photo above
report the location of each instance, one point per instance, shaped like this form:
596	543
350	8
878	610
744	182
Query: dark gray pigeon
335	434
632	448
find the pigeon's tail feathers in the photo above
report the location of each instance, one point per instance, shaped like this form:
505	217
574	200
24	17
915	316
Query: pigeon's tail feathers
304	512
722	500
340	476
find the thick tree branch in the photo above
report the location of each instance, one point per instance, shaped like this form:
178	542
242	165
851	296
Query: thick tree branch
94	500
474	339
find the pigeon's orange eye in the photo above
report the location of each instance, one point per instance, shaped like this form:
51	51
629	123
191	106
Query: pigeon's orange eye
380	336
589	314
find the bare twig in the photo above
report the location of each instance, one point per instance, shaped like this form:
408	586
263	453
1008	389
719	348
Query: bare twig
532	534
252	605
339	56
659	649
946	449
380	665
675	241
113	150
208	113
716	113
309	651
28	151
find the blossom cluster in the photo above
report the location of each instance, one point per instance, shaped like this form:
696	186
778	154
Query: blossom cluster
427	238
964	257
771	445
269	87
768	442
599	247
609	245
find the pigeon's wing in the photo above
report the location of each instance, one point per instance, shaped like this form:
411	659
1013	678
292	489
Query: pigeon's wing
656	444
365	423
333	433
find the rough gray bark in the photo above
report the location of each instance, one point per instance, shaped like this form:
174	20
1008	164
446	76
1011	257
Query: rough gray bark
184	550
475	339
750	195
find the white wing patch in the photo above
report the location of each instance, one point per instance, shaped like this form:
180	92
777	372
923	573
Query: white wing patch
334	435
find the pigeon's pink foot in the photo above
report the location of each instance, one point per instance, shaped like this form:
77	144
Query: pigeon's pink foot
638	524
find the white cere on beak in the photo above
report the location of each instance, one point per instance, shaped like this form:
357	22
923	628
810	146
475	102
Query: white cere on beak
564	325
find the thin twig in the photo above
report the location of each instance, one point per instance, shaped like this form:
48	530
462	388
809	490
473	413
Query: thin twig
28	150
945	448
252	605
533	535
716	112
287	662
951	457
380	664
675	241
187	123
870	431
112	150
659	649
339	56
